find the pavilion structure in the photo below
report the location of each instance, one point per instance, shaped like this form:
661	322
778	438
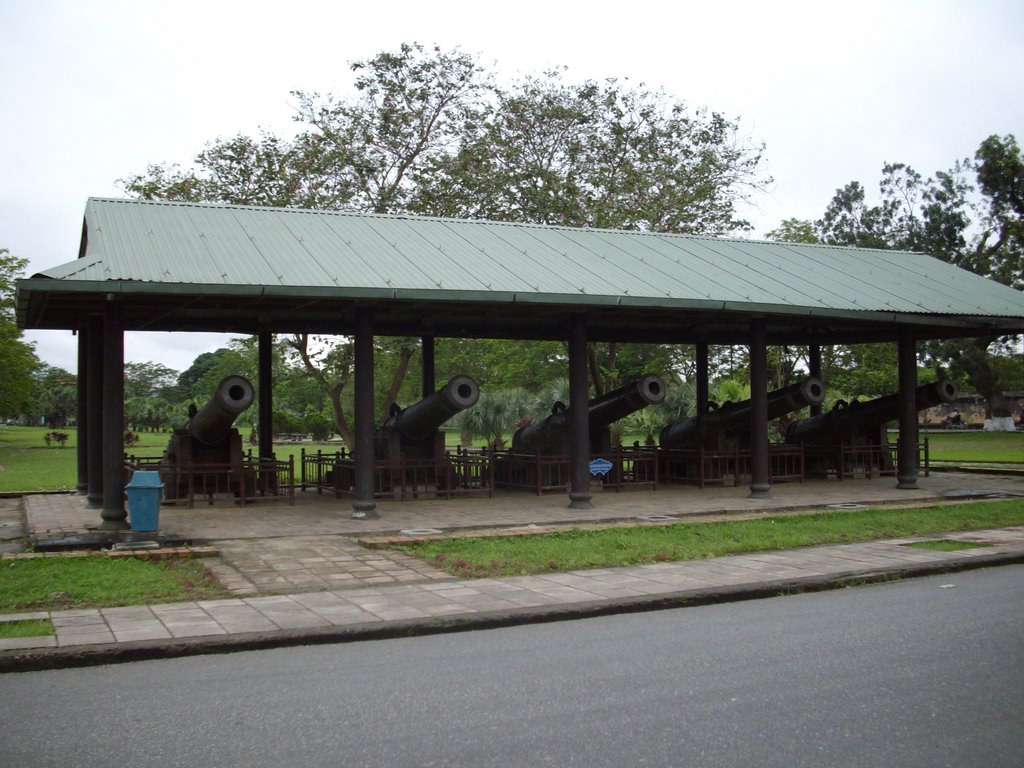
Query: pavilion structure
186	267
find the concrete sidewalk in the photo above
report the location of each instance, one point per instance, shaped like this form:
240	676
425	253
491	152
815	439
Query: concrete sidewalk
95	636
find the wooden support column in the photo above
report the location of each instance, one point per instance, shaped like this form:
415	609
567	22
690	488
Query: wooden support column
814	369
760	475
93	415
81	421
364	507
702	377
114	514
427	358
906	460
579	416
265	340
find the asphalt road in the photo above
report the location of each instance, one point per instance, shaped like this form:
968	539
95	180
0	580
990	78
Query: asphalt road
927	672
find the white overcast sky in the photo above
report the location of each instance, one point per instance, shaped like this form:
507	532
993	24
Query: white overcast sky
92	91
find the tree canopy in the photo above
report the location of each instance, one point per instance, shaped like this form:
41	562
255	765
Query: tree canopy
18	360
971	215
430	131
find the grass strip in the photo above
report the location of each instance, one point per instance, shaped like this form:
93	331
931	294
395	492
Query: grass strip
615	547
55	583
28	628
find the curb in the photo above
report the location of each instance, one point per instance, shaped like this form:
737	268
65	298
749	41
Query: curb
38	659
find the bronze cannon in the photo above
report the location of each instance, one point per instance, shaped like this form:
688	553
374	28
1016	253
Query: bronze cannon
728	426
551	436
414	430
209	447
860	423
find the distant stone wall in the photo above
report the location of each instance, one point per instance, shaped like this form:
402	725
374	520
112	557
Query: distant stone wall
972	411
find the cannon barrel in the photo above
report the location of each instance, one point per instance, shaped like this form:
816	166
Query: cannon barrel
735	417
419	421
618	404
549	435
844	422
212	423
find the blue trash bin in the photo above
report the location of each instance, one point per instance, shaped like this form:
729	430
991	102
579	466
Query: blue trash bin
144	492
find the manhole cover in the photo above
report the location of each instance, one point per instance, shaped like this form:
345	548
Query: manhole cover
848	505
657	519
421	532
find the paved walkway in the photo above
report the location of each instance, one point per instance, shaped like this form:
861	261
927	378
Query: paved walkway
324	585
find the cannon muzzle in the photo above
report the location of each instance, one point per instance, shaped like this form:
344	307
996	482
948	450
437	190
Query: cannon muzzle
212	423
733	419
848	423
418	422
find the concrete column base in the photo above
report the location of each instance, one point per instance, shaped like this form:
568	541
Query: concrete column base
580	501
364	510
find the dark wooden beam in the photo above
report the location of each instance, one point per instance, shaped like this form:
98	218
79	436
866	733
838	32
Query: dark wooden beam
364	506
265	341
93	415
81	421
814	369
906	459
579	416
114	514
702	377
760	476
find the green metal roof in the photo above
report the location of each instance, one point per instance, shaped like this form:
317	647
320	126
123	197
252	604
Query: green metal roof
287	262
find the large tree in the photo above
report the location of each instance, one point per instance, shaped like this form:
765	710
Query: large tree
596	154
428	131
976	225
18	360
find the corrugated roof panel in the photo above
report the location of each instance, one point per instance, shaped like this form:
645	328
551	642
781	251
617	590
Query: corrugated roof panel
829	278
669	266
461	245
284	247
234	256
453	259
732	271
528	270
150	244
615	270
441	269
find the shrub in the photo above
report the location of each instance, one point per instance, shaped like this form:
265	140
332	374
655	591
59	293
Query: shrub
55	437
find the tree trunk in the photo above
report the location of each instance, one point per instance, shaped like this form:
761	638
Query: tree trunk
404	356
300	343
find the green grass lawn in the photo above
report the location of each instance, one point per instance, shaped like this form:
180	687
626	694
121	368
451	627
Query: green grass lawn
616	547
30	628
976	446
54	583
